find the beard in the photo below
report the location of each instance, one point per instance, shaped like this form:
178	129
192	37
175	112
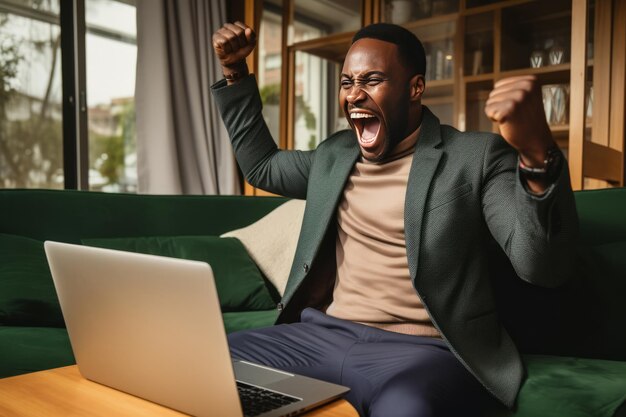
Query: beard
390	141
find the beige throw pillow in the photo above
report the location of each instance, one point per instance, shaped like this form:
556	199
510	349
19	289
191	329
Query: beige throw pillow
271	241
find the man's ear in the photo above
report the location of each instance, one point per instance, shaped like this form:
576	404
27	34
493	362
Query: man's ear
418	85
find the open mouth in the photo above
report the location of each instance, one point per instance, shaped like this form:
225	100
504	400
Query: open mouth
367	126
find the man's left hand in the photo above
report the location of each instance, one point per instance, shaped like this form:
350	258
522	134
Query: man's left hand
516	105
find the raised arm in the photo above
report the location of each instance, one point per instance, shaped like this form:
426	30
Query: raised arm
528	203
263	164
515	104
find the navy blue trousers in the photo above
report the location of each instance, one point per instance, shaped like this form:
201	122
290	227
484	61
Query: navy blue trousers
389	374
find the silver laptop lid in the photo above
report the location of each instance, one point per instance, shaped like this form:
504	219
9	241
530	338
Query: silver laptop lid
133	321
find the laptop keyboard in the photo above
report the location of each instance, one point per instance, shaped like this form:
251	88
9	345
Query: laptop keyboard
256	401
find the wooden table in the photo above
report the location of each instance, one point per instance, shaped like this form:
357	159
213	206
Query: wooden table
64	392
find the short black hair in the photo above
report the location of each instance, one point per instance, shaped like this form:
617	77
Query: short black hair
410	48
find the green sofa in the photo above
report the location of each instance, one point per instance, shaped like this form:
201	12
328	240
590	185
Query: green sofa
573	339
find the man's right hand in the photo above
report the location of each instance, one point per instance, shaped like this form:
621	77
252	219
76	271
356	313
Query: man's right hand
232	43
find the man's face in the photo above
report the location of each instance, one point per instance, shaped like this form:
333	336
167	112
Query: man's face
375	95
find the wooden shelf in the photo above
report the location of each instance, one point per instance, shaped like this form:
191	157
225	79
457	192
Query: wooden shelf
560	134
441	83
332	48
559	129
562	142
561	69
446	29
439	88
478	78
549	16
479	31
435	20
478	95
431	101
495	6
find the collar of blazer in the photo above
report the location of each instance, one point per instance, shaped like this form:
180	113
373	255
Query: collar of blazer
331	175
425	162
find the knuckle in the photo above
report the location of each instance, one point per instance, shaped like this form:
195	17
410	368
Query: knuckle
230	38
519	95
528	85
511	106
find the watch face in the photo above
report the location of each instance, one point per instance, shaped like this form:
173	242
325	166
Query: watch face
553	163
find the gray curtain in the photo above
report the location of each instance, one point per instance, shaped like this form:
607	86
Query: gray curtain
182	145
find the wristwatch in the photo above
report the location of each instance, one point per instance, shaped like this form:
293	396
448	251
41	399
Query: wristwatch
550	169
235	75
240	70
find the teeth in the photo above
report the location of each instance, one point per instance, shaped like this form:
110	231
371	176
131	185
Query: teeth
361	116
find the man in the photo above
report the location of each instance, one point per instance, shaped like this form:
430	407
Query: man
389	292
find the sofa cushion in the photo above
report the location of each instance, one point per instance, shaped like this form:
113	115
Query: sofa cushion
27	294
244	320
271	241
601	214
70	215
604	287
572	387
30	349
240	284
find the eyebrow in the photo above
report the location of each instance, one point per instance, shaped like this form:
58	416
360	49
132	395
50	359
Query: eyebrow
367	74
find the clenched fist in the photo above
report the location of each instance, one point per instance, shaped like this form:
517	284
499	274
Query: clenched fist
516	105
232	43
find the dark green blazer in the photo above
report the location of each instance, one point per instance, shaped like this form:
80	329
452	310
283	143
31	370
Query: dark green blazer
463	192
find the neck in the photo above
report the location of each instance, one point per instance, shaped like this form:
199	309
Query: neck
414	119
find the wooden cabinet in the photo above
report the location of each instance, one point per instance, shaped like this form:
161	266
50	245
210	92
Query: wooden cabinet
598	80
576	48
512	38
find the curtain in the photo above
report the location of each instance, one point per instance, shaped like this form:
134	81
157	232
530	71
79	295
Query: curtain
182	144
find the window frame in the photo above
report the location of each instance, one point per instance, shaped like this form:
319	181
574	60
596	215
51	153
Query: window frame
71	21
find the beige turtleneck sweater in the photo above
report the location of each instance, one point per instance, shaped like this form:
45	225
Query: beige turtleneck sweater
373	284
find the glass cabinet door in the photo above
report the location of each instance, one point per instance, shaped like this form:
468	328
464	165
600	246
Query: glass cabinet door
469	45
536	35
434	22
503	40
597	102
320	34
478	69
328	17
536	39
405	11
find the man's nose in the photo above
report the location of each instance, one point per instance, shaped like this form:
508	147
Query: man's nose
355	95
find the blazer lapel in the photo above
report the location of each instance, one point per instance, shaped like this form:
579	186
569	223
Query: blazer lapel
425	162
331	175
334	168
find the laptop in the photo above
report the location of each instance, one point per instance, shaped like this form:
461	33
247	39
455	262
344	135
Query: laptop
151	326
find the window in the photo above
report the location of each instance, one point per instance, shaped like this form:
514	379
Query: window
336	16
111	55
32	149
272	61
316	89
31	138
270	64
